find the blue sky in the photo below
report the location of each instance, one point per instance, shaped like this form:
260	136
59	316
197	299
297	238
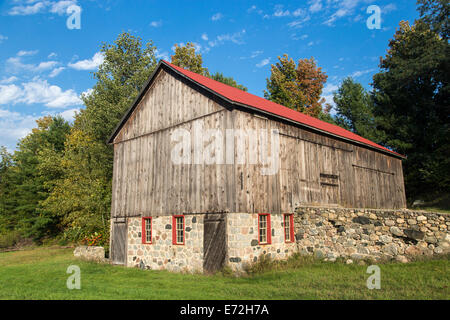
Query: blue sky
44	66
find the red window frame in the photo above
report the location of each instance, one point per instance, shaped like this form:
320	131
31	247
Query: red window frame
174	230
268	229
144	234
291	227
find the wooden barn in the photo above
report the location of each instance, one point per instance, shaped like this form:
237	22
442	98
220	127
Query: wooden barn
190	206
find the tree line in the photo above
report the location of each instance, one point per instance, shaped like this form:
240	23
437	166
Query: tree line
57	183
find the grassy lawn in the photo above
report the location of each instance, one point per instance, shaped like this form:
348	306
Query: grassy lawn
41	274
440	204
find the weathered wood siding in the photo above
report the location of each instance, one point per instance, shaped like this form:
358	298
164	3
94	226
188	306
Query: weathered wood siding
313	168
145	180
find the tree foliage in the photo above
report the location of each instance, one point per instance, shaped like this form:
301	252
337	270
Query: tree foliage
186	57
436	14
82	197
354	109
298	87
24	186
411	94
218	76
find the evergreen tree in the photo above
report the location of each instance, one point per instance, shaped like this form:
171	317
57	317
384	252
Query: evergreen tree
354	110
411	95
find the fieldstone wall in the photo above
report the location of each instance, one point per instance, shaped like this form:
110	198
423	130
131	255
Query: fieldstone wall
162	254
356	234
242	240
327	233
90	253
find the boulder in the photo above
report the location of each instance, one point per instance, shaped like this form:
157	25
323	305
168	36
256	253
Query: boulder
401	259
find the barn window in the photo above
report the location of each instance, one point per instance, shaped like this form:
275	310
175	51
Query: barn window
264	230
178	230
147	230
288	223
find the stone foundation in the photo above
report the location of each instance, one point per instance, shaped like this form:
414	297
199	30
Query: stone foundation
88	253
242	240
162	253
327	233
330	233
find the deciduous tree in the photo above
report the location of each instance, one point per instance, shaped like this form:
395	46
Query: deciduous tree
298	87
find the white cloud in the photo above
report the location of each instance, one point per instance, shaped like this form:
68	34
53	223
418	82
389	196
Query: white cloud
315	6
388	8
330	88
3	38
253	55
88	92
23	53
360	73
328	93
52	55
16	65
255	9
217	16
69	115
263	63
9	93
32	7
344	8
27	10
15	126
299	22
60	7
256	53
280	13
56	72
162	55
156	24
205	37
298	12
38	91
46	65
88	64
235	38
8	80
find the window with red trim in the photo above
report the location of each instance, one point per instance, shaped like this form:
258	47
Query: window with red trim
178	230
264	229
288	223
147	230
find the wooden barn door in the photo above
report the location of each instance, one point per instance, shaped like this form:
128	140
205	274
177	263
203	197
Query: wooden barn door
214	242
119	243
328	176
329	188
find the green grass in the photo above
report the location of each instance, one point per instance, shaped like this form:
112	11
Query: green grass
434	203
41	274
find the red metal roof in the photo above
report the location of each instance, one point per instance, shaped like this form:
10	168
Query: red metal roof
250	100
